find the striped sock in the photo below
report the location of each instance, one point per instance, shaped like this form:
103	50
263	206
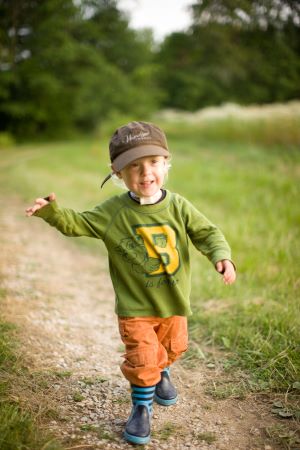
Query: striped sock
143	395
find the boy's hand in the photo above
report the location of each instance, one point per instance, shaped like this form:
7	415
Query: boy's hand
39	203
227	269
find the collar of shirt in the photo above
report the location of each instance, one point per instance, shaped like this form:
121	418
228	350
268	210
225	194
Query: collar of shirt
147	200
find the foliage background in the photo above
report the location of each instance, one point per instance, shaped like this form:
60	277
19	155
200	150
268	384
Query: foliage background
68	66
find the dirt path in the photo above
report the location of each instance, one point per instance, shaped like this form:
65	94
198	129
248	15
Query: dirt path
62	299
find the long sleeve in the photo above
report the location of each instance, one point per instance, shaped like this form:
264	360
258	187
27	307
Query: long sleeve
91	223
205	236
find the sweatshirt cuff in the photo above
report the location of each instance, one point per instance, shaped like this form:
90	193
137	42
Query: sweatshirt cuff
47	211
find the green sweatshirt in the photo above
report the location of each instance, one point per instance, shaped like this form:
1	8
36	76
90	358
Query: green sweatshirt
148	249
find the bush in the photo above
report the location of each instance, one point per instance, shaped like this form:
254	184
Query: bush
6	140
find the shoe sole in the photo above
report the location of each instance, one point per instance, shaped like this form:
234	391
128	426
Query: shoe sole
164	402
136	439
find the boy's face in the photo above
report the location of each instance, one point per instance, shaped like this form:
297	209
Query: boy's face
144	176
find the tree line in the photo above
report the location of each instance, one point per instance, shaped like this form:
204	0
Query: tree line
67	64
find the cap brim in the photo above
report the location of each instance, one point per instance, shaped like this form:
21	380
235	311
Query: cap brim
127	157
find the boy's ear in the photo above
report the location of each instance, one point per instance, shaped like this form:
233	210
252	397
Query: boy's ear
115	172
166	165
119	175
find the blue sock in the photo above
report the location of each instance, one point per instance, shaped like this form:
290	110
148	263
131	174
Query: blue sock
143	395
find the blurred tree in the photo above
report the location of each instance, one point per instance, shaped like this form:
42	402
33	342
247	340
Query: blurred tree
106	30
246	13
236	50
66	64
34	46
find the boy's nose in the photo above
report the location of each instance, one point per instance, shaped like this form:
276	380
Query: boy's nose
145	169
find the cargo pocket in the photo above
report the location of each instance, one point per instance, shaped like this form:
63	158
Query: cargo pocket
143	357
178	346
123	330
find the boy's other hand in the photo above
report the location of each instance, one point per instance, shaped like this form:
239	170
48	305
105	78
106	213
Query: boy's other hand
40	203
227	269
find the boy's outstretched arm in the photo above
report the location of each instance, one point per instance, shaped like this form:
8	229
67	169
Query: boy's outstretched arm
40	203
226	268
91	223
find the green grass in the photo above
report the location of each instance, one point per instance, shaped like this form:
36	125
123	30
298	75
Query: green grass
284	437
78	397
167	430
251	191
18	429
208	437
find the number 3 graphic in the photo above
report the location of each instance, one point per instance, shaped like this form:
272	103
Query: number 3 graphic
160	242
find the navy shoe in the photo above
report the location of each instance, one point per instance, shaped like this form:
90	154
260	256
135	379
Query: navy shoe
137	429
138	426
165	392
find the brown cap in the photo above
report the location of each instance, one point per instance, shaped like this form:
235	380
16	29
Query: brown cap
133	141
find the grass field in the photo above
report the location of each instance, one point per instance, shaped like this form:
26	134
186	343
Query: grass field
18	428
251	191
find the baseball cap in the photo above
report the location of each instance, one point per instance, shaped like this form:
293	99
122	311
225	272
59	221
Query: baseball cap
135	140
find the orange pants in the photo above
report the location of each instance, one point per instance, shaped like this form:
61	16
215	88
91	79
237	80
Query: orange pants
152	343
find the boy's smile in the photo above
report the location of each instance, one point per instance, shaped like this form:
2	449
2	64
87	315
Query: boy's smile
144	176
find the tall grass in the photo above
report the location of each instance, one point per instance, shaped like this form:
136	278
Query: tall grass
250	190
252	193
277	124
18	429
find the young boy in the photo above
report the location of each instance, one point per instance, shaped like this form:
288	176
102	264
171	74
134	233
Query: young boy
146	233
